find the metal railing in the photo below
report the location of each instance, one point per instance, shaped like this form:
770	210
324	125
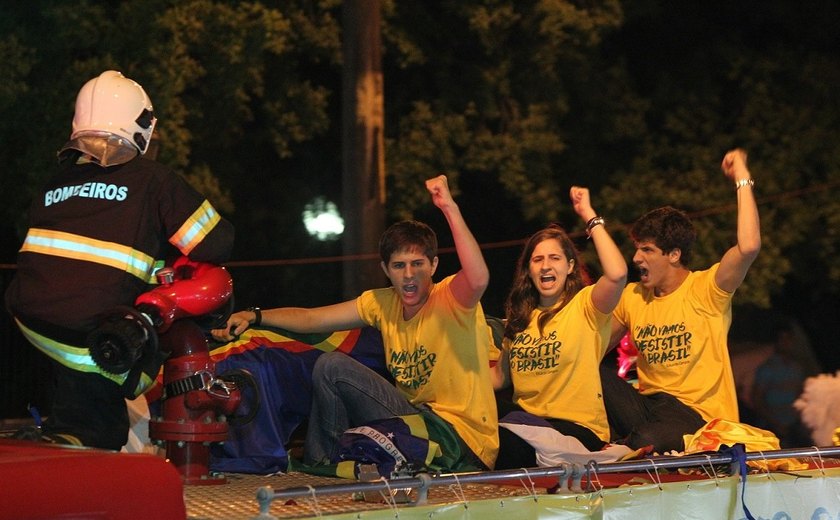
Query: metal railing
571	474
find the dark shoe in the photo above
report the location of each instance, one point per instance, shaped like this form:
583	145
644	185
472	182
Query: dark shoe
36	434
28	433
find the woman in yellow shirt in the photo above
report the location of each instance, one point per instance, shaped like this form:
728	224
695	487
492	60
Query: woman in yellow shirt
556	333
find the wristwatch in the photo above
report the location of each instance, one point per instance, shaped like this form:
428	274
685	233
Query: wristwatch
257	315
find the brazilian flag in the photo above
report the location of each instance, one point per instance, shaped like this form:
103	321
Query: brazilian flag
421	442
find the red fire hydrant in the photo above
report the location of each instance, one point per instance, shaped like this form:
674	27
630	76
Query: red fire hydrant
195	402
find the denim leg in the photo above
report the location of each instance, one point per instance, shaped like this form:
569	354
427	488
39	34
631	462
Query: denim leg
345	394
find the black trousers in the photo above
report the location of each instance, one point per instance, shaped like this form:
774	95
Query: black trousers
515	452
638	420
89	407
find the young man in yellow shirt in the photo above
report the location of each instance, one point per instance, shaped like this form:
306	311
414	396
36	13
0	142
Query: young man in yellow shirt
435	336
679	320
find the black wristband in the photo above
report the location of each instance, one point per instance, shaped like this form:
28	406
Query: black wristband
257	316
594	221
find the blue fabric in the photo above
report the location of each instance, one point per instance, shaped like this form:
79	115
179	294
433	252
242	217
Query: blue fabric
389	444
283	374
739	455
285	386
522	417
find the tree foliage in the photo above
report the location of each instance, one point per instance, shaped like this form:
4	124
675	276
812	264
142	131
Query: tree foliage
516	100
490	91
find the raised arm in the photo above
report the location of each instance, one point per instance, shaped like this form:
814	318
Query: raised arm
738	259
471	281
340	316
607	290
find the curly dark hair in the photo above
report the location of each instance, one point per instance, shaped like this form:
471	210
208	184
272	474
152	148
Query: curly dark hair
523	297
668	228
408	235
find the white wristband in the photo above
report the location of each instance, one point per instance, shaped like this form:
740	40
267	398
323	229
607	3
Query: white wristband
744	182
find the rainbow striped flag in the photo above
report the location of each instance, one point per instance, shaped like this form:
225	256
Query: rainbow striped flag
281	363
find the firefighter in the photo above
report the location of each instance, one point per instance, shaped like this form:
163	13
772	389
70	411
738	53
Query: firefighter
98	231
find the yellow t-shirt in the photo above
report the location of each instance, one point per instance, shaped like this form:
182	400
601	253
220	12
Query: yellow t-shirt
440	358
555	375
681	338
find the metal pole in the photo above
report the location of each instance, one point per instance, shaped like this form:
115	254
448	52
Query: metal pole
423	482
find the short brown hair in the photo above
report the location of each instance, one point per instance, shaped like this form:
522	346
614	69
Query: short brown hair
668	228
405	236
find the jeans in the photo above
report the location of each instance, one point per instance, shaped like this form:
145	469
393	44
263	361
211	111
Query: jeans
346	394
638	420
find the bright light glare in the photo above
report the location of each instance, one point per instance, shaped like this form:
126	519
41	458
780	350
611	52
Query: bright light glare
322	219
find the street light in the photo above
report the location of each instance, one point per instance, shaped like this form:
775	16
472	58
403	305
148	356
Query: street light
322	220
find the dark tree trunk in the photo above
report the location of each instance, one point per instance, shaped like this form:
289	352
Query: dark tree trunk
363	153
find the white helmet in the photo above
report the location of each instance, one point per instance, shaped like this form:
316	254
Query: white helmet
113	104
